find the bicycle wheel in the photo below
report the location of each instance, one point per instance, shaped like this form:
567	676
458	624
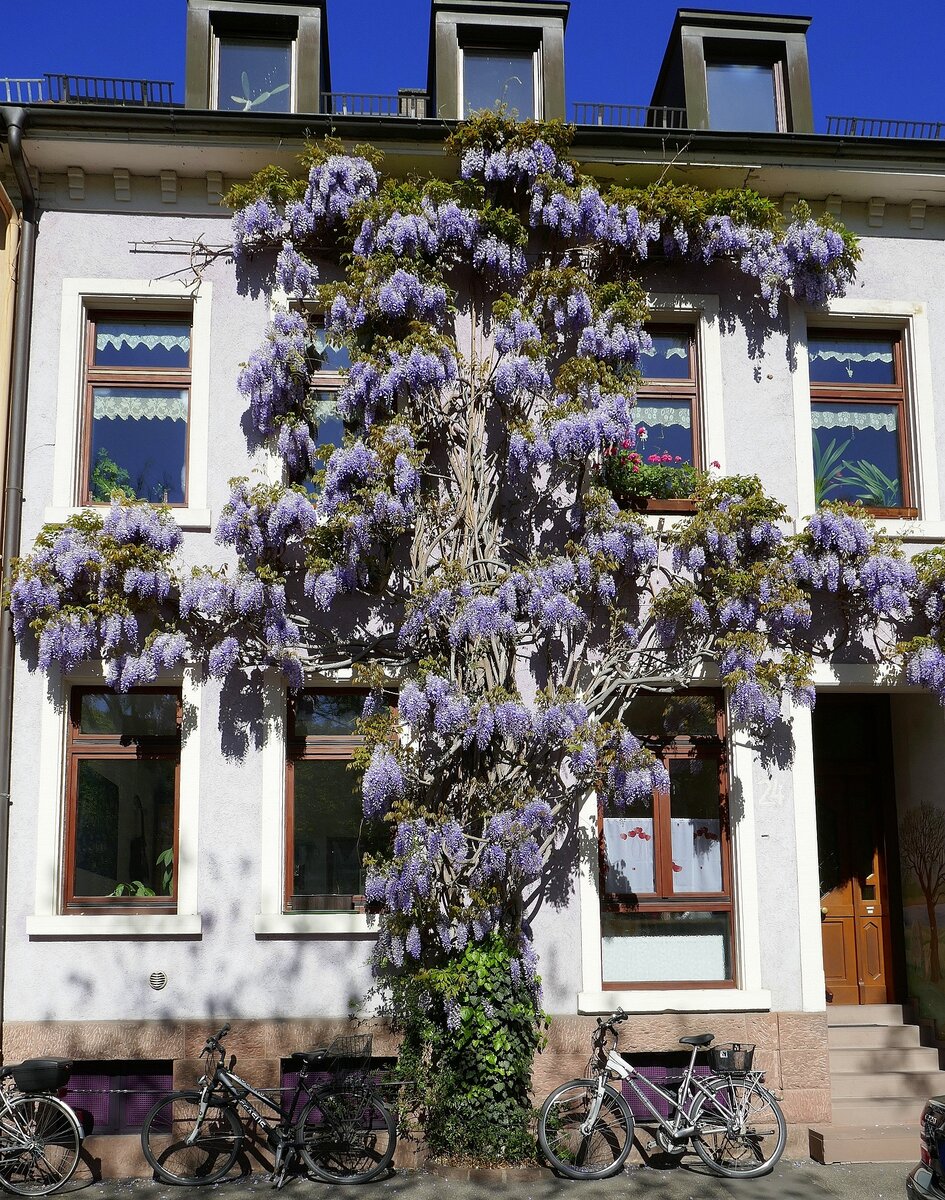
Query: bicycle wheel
180	1151
346	1135
39	1145
740	1130
577	1155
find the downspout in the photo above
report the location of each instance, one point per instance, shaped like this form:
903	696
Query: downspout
15	121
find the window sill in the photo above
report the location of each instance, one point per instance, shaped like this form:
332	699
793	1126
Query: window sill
676	1000
650	504
912	530
296	924
187	518
115	925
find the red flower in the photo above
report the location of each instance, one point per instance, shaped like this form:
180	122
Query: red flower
676	867
678	458
715	464
667	458
625	444
654	458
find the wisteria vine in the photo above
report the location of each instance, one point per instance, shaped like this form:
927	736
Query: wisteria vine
461	544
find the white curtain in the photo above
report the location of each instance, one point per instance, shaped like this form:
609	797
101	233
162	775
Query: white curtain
628	844
169	341
697	855
657	957
876	416
663	414
138	404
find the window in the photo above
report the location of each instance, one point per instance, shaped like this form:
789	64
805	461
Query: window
326	364
497	75
666	409
665	864
137	407
745	93
323	804
254	74
859	420
122	800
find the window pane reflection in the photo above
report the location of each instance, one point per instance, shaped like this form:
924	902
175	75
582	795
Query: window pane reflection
326	852
493	77
254	75
124	824
857	453
742	96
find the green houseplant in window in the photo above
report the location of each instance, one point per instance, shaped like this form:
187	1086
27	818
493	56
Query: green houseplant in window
634	480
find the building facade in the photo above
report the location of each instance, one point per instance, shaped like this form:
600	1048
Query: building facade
813	897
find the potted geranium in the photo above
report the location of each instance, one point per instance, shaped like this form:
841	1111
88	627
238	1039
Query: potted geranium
660	482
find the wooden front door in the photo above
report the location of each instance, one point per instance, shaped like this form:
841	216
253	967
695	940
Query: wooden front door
853	792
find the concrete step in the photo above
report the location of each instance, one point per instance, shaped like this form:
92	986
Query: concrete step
864	1143
887	1085
881	1037
879	1112
864	1014
848	1060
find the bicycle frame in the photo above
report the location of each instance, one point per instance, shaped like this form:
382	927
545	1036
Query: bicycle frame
237	1089
680	1126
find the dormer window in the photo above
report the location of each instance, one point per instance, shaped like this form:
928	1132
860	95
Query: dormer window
500	76
257	56
253	74
745	93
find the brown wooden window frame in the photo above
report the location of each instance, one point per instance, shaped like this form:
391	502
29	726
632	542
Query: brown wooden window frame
96	747
877	393
683	747
321	748
676	389
139	377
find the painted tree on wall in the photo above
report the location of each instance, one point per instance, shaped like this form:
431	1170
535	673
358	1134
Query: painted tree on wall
464	549
922	845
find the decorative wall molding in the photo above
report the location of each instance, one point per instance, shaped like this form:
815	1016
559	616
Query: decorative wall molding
917	214
833	204
876	211
214	187
76	183
122	180
169	187
788	200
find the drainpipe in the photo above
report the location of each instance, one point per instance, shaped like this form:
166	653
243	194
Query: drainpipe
15	121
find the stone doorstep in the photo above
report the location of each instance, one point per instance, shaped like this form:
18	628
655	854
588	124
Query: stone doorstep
865	1143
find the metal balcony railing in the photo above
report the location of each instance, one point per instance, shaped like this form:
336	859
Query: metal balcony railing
634	116
883	127
407	103
22	91
104	89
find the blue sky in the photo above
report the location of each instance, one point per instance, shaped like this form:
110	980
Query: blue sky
867	58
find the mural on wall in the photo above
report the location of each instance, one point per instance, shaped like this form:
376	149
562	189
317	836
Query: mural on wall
922	852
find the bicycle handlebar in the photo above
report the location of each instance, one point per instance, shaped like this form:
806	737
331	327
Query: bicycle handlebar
213	1043
617	1019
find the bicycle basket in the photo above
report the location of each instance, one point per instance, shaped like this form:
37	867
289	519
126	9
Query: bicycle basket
42	1074
731	1060
352	1047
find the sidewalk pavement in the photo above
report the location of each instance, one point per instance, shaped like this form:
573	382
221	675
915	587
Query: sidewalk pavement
689	1181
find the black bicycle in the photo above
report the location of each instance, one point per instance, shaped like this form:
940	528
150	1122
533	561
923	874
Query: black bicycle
344	1133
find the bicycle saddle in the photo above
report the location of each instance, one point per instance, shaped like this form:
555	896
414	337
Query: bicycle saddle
310	1057
699	1039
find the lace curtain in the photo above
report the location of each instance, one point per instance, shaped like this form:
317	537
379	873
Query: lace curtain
648	413
168	341
873	416
138	404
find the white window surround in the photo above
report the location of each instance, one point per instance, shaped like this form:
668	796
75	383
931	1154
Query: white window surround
272	920
79	297
909	318
48	920
749	995
498	48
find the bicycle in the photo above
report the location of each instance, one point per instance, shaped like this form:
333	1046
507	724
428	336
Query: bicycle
344	1133
40	1135
736	1126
